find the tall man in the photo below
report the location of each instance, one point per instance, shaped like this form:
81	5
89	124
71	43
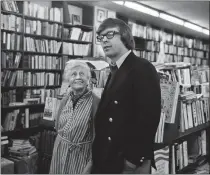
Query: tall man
129	111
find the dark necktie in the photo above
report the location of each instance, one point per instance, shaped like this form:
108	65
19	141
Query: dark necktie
113	72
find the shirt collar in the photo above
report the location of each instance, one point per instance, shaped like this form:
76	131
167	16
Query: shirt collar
120	61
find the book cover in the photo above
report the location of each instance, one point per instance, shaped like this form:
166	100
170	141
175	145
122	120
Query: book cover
169	96
50	108
162	161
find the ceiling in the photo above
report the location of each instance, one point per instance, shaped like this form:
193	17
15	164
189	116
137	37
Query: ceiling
194	11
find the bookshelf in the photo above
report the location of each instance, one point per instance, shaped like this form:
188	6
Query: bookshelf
34	56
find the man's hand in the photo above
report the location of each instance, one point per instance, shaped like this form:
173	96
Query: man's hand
130	168
88	168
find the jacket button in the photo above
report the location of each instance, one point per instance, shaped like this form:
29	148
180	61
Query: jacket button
109	138
142	159
110	119
116	102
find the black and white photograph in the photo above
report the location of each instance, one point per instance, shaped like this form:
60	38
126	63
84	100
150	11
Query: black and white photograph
105	87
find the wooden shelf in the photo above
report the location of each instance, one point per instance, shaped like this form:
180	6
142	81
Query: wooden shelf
47	124
11	31
9	50
192	131
77	41
31	87
33	70
183	135
52	54
24	106
31	129
192	166
83	27
42	36
42	53
11	13
40	19
145	39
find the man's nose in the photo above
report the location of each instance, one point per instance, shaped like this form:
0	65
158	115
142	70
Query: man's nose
104	39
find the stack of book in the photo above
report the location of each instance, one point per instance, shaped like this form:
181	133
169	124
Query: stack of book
21	148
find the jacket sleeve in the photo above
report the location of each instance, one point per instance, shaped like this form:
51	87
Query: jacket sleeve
147	109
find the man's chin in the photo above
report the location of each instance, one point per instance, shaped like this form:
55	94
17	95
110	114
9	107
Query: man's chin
108	54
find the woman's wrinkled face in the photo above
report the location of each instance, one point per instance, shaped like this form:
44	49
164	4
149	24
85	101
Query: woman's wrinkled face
78	78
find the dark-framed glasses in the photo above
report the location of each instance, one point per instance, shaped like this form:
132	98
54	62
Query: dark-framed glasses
109	35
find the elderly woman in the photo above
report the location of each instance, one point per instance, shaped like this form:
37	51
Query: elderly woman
74	124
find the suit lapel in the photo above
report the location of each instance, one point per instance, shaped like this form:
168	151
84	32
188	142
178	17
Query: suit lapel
119	78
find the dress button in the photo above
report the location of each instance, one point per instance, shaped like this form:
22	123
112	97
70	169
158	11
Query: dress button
109	138
110	119
141	160
115	102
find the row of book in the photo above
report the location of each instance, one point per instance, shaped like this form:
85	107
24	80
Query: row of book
53	46
9	6
18	119
11	97
150	33
42	28
76	49
185	51
11	23
188	151
201	89
21	78
75	33
43	12
153	46
42	94
144	31
179	75
168	58
46	148
194	110
43	62
151	56
7	97
200	75
10	60
11	41
41	45
183	154
159	136
47	141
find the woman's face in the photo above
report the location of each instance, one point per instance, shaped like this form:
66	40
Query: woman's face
78	78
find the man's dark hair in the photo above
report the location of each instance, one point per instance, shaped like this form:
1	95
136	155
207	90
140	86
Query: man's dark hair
124	29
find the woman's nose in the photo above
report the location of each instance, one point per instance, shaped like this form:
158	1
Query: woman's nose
77	76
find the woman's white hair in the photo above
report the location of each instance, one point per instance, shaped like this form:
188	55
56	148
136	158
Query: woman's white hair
75	63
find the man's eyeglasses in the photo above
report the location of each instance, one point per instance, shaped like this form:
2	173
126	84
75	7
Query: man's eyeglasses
109	35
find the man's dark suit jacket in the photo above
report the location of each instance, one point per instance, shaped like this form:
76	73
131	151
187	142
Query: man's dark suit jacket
127	117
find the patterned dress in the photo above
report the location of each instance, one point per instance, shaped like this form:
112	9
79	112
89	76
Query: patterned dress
72	148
